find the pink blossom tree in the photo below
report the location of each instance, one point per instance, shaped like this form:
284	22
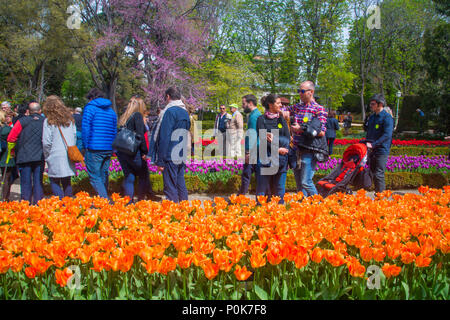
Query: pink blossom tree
163	38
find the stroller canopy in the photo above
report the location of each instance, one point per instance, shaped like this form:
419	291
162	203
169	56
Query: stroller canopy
355	153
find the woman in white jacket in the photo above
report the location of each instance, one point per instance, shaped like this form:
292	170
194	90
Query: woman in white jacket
59	125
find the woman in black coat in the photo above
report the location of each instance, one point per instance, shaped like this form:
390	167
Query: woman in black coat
272	182
332	125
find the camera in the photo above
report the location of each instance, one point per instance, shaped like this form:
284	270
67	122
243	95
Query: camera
309	129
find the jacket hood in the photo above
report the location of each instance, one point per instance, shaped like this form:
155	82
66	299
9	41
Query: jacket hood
100	103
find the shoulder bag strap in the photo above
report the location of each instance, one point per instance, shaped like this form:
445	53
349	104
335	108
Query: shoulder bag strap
64	139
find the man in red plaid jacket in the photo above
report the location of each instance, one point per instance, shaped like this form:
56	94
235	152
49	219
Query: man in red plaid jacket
304	112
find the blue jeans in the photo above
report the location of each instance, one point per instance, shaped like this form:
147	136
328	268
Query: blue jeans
134	167
174	184
304	175
31	188
330	142
65	191
272	185
378	166
79	141
247	172
97	164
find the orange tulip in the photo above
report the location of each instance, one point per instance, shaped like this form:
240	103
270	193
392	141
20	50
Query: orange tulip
257	259
379	254
408	257
30	272
428	249
317	255
210	269
422	261
301	259
184	260
391	270
273	255
355	268
63	276
366	253
336	259
167	264
242	274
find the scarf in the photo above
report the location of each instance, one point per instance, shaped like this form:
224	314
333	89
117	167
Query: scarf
271	115
174	103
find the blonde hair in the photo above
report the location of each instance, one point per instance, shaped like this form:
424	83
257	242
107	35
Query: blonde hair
135	105
2	116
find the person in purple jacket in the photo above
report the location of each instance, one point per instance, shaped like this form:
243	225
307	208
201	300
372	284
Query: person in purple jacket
99	129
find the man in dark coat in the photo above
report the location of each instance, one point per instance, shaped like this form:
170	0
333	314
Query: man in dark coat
27	134
168	146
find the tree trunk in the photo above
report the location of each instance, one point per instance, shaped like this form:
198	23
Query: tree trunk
363	107
110	90
35	79
41	87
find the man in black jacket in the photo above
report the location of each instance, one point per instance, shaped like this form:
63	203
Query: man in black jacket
27	134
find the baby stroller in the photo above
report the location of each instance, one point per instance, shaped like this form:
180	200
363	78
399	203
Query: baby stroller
351	171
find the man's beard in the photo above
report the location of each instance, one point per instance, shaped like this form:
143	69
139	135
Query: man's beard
247	110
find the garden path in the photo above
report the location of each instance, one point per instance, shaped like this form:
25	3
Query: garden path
15	194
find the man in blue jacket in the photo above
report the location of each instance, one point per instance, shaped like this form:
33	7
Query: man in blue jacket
379	139
168	145
99	129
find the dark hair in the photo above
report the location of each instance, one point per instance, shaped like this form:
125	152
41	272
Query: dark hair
95	93
270	98
250	98
332	114
22	108
173	93
378	98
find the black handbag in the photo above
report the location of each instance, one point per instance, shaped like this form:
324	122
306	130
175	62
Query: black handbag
127	141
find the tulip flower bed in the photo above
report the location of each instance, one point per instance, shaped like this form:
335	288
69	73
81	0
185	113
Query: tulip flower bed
309	248
422	164
396	142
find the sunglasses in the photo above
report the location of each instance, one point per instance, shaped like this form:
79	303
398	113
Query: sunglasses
303	91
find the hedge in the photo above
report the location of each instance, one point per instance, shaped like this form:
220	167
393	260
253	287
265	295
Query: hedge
394	181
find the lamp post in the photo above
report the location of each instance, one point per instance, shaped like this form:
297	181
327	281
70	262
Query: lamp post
399	94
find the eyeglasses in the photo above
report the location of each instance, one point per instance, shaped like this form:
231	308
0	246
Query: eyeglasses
303	91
